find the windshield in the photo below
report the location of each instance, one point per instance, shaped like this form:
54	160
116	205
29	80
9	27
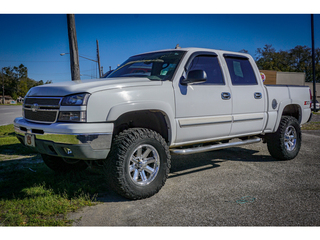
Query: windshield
154	66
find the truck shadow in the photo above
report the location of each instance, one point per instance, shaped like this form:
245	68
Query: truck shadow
13	149
18	174
186	164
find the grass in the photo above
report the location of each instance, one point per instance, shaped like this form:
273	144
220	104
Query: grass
10	147
311	126
17	104
32	194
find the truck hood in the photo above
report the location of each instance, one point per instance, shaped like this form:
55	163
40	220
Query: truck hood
89	86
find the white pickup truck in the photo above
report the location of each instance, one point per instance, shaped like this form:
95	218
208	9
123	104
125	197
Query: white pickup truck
183	101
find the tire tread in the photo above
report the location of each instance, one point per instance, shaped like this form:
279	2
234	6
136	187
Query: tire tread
115	162
275	141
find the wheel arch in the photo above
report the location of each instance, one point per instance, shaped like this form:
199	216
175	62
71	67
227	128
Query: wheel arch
293	110
152	115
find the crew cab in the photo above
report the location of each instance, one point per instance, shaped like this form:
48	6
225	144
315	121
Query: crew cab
175	101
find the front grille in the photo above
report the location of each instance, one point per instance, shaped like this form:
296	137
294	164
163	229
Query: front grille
41	109
41	116
43	101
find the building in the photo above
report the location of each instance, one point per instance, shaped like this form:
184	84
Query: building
284	78
7	99
271	77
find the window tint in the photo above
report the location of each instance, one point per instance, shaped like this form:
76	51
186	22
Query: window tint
241	71
211	66
155	66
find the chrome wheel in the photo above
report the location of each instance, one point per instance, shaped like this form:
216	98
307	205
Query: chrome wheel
290	138
144	164
138	164
285	143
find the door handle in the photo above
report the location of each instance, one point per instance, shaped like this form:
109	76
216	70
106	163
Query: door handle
225	96
257	95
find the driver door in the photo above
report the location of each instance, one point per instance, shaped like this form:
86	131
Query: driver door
203	110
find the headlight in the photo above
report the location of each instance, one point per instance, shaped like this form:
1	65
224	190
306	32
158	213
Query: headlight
75	100
72	116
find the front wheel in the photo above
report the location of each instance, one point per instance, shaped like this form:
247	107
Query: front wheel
285	143
138	163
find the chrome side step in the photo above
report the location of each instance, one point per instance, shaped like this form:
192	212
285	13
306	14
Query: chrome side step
186	151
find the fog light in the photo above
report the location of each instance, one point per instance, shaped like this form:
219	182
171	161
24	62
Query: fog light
67	151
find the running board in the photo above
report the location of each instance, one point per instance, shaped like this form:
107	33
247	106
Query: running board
187	151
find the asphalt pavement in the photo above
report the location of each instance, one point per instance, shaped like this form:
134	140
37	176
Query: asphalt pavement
231	187
8	113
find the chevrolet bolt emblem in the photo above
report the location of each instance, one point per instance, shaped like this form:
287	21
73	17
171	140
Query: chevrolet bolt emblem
34	107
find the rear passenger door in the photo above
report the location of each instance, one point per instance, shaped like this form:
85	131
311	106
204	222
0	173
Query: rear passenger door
203	110
248	95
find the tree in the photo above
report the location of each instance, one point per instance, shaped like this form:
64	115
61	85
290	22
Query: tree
301	60
269	59
297	59
243	51
22	87
17	83
41	82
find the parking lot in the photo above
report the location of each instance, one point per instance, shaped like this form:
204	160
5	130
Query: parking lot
231	187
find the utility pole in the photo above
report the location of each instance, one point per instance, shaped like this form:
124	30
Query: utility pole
313	65
2	87
73	46
98	59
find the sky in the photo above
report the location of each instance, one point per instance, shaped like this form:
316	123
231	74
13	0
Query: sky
37	40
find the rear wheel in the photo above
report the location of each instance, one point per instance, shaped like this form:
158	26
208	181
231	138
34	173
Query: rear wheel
285	143
138	164
60	165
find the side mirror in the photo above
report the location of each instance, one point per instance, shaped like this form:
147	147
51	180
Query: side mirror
194	76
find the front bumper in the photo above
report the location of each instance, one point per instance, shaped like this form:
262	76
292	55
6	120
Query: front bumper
86	141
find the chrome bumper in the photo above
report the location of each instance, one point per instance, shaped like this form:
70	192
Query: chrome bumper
71	140
96	141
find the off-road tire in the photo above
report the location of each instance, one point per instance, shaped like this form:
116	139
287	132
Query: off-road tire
58	165
285	143
122	168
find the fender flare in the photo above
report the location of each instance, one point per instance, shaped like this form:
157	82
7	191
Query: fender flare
281	108
116	111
